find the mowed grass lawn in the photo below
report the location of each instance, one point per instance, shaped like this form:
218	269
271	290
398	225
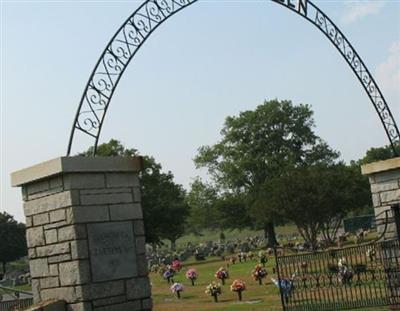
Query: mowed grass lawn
256	297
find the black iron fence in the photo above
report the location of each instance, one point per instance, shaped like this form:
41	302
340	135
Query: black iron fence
340	279
19	304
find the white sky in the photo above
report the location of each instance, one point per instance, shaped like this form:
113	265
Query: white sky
212	60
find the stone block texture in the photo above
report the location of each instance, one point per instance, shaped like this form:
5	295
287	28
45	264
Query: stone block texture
59	207
49	305
384	178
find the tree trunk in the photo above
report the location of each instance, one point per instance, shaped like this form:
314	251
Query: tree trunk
314	238
4	267
269	234
173	245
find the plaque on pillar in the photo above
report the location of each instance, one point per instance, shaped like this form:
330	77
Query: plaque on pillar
112	251
85	232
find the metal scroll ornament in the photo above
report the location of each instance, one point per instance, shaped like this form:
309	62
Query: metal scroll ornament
151	14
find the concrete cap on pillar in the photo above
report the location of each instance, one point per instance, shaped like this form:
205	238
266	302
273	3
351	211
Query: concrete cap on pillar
75	165
380	166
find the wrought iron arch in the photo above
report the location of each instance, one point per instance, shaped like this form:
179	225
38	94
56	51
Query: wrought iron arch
152	13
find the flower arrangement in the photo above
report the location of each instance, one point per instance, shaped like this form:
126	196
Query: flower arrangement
250	255
214	289
286	286
222	274
238	286
192	275
344	272
342	262
304	267
259	273
176	264
177	288
371	253
263	258
154	268
169	274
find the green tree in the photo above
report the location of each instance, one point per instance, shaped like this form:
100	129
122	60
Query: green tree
210	209
316	198
164	205
12	239
113	148
373	154
163	201
201	199
259	145
376	154
232	212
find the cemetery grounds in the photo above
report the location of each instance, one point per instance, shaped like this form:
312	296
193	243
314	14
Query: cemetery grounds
193	298
255	298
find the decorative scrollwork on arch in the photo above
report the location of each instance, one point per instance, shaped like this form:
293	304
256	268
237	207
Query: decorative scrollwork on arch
114	60
314	15
151	14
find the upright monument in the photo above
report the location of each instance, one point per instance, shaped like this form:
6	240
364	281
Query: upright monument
85	232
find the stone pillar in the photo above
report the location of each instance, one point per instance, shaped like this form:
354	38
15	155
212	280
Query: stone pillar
85	232
384	177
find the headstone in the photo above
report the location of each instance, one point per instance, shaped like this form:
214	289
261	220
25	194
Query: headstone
85	233
244	247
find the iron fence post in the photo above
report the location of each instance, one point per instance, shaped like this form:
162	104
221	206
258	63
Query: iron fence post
396	214
279	279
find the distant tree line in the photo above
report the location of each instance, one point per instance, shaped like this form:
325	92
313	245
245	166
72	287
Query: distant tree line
12	240
268	168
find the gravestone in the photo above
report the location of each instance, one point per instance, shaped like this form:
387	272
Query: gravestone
85	233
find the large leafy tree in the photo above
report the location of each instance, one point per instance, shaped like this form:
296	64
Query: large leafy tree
12	239
203	213
376	154
316	198
258	145
163	201
373	154
113	148
213	210
232	212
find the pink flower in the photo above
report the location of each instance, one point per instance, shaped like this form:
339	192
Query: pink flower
177	287
191	274
176	265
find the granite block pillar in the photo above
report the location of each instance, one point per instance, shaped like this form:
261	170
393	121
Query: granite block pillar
85	232
384	177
